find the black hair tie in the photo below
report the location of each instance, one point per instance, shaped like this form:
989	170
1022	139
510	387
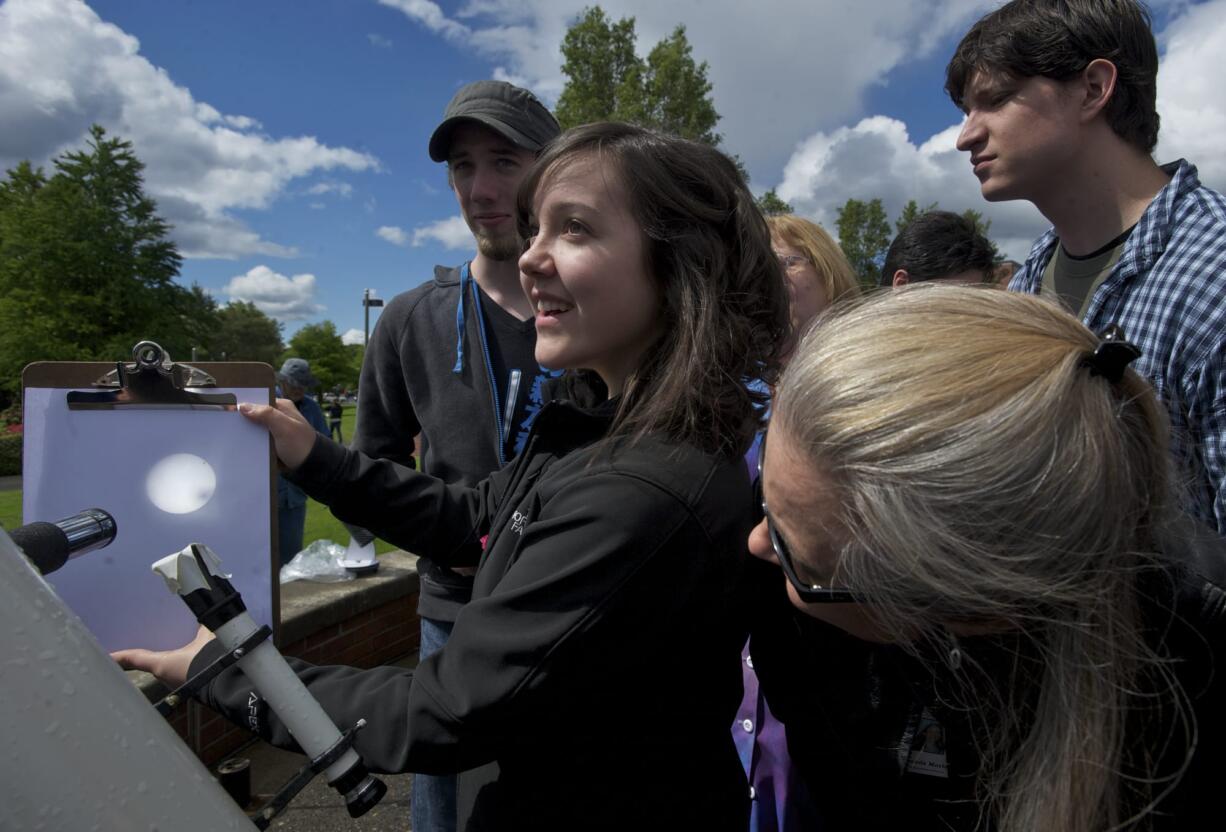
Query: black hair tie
1112	355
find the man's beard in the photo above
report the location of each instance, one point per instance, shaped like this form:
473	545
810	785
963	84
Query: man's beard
499	248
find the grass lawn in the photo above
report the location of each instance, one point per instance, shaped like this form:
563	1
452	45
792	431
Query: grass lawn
319	521
320	524
10	509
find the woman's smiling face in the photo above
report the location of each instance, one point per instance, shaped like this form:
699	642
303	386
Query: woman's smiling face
585	272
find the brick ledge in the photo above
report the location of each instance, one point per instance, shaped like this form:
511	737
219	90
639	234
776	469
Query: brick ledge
308	608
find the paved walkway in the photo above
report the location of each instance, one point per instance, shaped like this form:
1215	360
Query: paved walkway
318	808
10	483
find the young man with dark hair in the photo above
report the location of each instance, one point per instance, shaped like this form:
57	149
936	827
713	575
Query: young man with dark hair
941	246
1060	103
453	360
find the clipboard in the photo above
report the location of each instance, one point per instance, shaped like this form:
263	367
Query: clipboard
162	447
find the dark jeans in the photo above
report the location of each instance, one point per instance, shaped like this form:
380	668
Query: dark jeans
433	799
291	523
334	430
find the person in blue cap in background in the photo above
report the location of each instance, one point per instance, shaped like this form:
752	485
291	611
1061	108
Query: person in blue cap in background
294	380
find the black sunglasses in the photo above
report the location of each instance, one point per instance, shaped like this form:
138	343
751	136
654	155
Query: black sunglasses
809	593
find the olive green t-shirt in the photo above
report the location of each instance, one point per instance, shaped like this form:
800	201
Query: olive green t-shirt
1075	279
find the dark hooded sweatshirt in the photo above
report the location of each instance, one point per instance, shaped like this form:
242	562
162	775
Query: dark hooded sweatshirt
442	362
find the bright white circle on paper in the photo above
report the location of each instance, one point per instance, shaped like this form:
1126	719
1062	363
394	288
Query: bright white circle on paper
181	483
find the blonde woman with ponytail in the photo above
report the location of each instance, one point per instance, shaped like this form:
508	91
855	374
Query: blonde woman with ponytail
994	620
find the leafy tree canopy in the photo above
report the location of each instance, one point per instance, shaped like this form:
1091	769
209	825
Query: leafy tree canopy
357	352
771	204
331	361
87	267
245	333
607	81
864	236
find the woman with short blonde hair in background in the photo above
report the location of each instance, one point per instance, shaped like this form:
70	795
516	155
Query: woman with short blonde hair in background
816	269
994	621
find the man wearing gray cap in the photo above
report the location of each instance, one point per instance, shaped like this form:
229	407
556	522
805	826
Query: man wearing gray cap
453	360
294	380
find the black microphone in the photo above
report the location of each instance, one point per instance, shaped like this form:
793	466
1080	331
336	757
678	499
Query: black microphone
50	545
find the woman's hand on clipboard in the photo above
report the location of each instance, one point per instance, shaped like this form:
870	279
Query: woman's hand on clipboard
292	435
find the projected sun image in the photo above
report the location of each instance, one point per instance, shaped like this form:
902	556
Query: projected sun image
180	483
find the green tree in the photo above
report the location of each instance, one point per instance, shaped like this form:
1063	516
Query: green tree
244	333
909	212
864	236
984	227
607	81
357	353
770	204
676	92
194	326
86	265
604	75
322	347
912	210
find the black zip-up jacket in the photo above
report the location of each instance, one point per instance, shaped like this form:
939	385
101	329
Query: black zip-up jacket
426	371
598	662
854	711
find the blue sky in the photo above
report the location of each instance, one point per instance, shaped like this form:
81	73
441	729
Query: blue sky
286	141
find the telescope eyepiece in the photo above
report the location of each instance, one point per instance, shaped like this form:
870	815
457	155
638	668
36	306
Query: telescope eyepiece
50	545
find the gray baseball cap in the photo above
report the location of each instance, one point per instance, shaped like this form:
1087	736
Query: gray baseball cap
297	371
510	111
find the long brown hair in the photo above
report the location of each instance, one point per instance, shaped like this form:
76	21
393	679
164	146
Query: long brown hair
723	300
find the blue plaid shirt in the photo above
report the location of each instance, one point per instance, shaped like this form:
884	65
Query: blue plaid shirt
1168	292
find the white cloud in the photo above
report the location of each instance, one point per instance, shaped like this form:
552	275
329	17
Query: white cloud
393	234
242	122
331	187
779	68
63	68
431	16
1191	95
451	233
353	336
876	158
379	41
274	294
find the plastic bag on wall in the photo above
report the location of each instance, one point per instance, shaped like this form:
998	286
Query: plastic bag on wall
321	562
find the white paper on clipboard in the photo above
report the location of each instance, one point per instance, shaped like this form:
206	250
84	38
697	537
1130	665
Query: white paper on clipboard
79	459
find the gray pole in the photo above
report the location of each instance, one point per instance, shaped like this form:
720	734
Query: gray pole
367	302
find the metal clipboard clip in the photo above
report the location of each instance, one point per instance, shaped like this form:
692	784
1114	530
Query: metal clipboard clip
152	381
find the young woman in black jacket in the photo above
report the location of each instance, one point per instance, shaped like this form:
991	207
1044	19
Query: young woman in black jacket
597	664
997	619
